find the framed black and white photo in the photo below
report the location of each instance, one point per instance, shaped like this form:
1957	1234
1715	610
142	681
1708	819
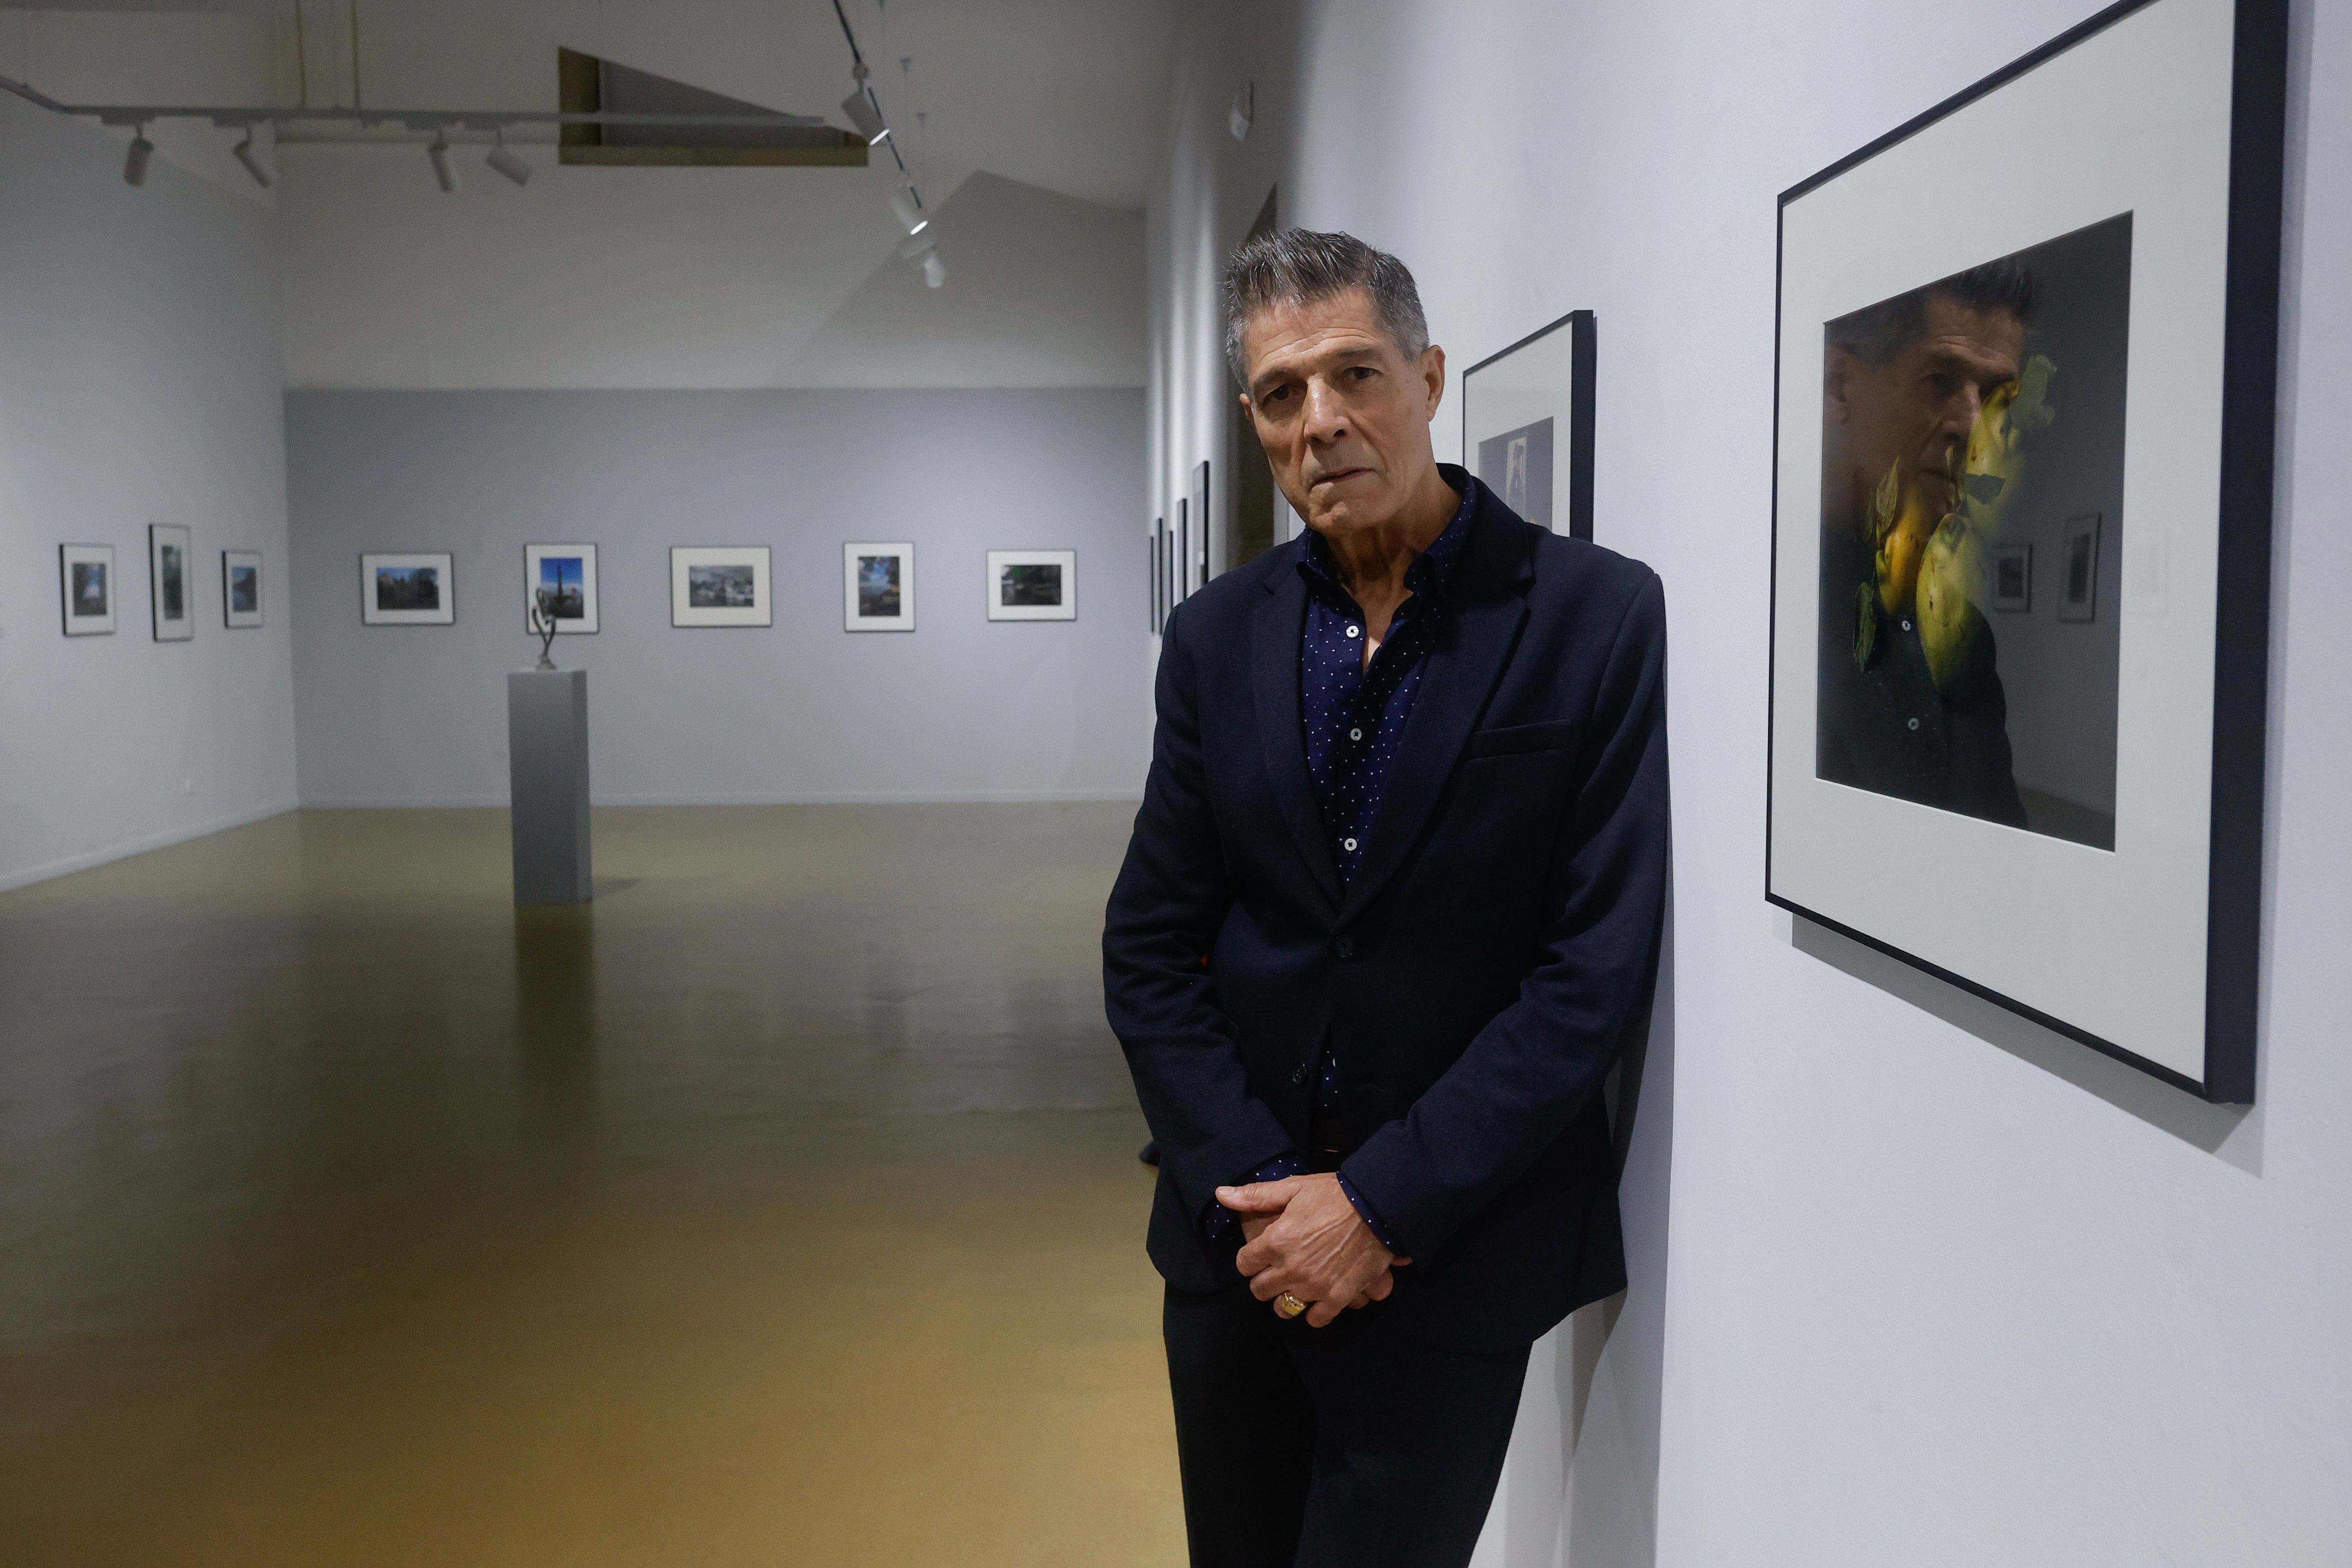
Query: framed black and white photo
1196	543
878	587
407	589
1157	574
562	579
720	586
240	589
2078	571
171	579
86	587
2057	807
1526	423
1033	585
2009	582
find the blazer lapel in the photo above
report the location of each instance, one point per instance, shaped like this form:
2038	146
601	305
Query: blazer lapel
1486	605
1274	660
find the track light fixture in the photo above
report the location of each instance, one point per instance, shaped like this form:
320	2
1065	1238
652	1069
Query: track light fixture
247	155
859	107
911	217
445	172
916	249
935	269
134	164
507	162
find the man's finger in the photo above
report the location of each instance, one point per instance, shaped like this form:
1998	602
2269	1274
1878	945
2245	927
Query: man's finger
1378	1291
1258	1197
1323	1314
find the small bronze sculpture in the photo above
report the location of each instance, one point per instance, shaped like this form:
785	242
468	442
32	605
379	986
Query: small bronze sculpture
542	623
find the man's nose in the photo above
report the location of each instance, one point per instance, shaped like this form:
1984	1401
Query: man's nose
1327	419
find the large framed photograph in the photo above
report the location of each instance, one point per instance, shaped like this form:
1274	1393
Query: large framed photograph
2050	795
241	589
1526	423
720	586
407	589
86	587
172	580
1033	585
878	587
559	580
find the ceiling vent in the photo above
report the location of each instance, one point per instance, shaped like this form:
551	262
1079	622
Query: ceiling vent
594	86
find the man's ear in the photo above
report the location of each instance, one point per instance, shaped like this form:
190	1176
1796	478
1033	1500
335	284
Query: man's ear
1837	369
1432	373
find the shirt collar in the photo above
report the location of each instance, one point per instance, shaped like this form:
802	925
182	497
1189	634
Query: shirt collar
1429	570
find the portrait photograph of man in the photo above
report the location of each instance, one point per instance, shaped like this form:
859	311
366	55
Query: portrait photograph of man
1963	423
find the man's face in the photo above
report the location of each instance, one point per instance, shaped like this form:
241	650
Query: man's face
1342	413
1914	413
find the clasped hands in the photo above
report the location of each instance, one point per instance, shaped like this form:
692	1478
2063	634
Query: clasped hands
1301	1236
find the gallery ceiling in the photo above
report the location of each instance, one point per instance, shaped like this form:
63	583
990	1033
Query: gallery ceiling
1063	94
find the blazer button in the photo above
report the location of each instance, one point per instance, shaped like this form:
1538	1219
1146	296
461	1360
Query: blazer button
1345	947
1298	1075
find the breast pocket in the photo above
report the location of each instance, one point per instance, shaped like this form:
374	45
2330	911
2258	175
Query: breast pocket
1516	739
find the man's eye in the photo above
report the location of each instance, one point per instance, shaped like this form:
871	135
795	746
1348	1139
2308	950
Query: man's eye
1361	372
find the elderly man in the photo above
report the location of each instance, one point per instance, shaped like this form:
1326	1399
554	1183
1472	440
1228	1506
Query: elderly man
1390	913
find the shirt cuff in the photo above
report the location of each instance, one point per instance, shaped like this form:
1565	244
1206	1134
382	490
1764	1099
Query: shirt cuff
1219	1218
1364	1211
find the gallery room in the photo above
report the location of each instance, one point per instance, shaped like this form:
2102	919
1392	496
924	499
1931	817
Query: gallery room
896	781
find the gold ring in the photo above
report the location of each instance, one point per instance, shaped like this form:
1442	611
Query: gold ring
1288	1305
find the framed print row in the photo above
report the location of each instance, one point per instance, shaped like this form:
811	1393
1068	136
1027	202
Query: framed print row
2022	515
89	594
713	586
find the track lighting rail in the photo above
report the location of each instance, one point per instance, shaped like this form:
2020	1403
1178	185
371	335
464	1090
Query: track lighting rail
232	117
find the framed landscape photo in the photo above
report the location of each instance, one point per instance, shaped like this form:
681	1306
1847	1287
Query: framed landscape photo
407	589
878	587
240	589
1033	585
712	585
2054	799
1526	423
86	587
171	579
566	574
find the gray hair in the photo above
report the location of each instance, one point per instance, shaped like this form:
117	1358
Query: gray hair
1297	267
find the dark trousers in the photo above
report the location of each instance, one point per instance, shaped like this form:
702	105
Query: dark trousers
1357	1445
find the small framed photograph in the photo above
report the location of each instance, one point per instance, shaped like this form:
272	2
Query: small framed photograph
2078	570
86	583
407	591
1033	585
720	586
2012	577
240	589
172	575
566	576
878	586
1526	423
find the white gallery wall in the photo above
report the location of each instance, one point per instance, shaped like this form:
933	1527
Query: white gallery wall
141	381
1914	1282
960	709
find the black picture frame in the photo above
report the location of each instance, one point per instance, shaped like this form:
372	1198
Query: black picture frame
2242	600
1583	327
1196	564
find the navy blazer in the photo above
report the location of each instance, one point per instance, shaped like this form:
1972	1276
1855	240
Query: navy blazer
1488	965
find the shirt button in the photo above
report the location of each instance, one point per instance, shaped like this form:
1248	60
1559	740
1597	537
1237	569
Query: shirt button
1349	843
1359	631
1355	734
1345	947
1298	1074
1914	723
1906	626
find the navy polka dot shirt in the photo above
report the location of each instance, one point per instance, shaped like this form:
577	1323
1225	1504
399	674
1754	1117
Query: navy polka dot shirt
1354	716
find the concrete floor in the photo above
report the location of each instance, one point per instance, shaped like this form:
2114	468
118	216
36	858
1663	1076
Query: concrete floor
780	1208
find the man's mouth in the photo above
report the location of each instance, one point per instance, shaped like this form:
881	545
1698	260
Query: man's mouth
1334	477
